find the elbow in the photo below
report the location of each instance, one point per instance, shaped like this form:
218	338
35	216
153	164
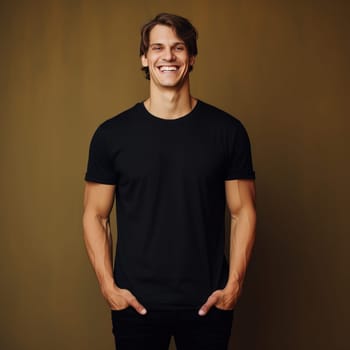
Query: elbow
86	222
246	213
92	219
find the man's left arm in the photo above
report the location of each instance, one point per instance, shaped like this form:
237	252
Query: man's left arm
240	198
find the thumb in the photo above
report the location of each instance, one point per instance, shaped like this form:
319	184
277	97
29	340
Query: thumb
212	300
133	302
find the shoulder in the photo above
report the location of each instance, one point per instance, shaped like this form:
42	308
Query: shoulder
113	130
117	125
219	116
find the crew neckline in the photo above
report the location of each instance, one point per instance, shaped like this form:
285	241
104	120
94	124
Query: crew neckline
165	120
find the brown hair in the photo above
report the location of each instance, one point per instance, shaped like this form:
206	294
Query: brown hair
183	29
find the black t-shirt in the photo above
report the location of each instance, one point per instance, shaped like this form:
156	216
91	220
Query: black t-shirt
170	199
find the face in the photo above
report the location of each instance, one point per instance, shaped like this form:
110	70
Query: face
167	58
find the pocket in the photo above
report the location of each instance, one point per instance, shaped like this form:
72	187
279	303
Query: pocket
121	310
121	315
222	310
222	320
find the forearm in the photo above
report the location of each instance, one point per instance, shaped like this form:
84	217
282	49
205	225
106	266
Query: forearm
98	242
242	238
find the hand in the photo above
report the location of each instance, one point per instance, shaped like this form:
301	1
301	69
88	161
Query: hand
224	299
119	299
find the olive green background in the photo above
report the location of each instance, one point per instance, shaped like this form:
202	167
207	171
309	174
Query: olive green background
282	67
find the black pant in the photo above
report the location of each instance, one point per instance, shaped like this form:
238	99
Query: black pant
153	331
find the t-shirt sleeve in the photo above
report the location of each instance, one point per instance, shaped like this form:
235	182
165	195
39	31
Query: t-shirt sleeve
100	163
239	159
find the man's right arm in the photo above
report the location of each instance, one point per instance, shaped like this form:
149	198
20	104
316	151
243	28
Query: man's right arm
98	202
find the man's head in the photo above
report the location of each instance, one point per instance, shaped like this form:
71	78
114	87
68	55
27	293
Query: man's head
181	27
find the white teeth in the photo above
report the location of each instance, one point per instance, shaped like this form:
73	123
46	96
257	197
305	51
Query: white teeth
167	68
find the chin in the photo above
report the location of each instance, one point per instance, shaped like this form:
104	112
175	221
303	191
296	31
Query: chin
175	83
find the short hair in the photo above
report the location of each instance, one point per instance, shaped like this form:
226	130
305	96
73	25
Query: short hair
183	29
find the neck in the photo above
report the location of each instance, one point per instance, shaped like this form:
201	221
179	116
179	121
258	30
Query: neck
170	103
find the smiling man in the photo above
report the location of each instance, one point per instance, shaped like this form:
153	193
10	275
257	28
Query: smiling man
172	162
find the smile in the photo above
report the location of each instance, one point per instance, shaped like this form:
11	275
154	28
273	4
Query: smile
168	68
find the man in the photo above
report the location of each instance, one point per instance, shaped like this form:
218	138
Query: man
171	162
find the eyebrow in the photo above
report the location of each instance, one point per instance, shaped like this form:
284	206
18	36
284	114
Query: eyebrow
160	44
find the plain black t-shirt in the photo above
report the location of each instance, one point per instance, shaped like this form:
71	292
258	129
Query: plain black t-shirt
170	199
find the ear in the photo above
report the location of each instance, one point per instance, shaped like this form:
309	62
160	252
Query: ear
144	61
192	60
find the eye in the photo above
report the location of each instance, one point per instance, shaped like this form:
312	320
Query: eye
180	48
156	48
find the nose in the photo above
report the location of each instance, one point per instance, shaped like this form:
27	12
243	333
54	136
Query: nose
168	54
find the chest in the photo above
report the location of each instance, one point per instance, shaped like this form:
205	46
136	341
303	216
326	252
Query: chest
179	154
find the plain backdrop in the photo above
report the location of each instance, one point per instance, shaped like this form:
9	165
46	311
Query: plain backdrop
281	67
